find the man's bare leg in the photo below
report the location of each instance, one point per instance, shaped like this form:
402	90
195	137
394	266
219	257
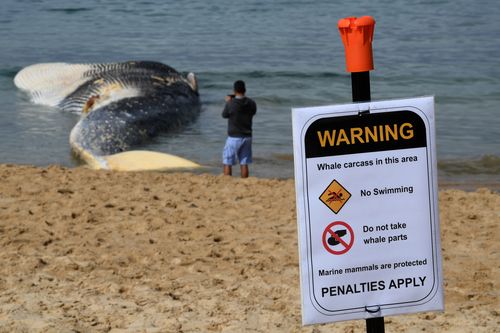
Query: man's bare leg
228	170
244	171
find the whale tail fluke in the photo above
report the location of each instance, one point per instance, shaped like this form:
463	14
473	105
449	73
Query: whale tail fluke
140	160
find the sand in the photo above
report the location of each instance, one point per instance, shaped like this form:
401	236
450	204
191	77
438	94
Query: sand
97	251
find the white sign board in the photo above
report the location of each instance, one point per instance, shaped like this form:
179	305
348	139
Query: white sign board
367	209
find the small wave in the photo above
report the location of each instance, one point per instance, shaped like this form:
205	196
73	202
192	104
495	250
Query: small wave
68	10
291	74
283	157
9	73
262	74
485	165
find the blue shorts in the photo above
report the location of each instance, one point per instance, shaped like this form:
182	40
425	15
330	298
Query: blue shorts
237	149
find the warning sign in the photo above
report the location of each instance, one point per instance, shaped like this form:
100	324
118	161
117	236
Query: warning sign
335	196
367	212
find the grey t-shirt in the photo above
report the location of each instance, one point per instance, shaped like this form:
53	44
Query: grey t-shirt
239	111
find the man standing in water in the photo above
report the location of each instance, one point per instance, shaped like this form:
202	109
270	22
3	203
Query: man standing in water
239	111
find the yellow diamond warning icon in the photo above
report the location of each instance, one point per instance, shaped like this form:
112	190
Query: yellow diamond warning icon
335	196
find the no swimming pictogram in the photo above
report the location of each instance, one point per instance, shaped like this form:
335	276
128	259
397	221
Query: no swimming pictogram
338	237
335	196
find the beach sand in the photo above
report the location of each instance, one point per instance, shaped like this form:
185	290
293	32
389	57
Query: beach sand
99	251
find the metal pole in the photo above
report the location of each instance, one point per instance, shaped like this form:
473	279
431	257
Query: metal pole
360	82
357	35
375	325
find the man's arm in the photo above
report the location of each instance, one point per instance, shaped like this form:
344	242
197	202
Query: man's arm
225	112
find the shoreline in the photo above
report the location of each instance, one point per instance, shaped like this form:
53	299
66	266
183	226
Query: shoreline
465	182
468	186
106	251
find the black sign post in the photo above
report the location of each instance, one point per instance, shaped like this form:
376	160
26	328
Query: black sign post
357	36
360	82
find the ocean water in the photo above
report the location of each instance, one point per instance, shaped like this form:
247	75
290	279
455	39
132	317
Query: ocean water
288	52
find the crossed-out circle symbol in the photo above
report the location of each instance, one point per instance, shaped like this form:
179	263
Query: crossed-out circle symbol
329	232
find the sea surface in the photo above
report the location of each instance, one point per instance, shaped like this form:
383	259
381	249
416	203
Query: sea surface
290	55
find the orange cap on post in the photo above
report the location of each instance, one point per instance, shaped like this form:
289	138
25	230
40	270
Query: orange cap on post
357	36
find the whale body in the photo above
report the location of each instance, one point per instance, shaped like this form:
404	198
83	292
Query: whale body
122	105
